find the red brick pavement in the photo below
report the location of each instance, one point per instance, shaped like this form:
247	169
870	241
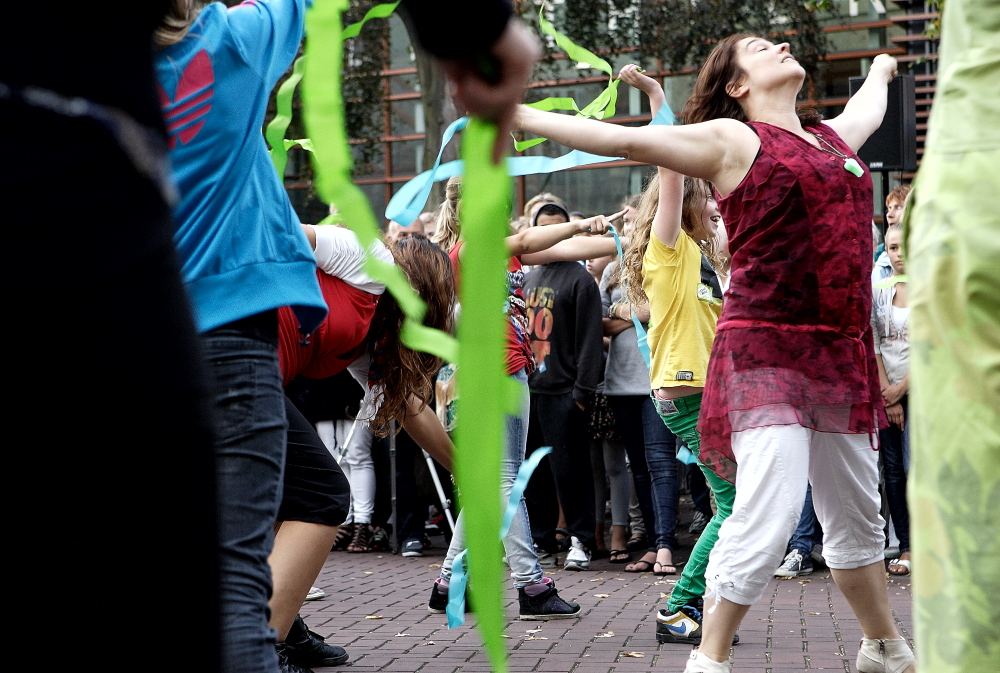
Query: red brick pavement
376	607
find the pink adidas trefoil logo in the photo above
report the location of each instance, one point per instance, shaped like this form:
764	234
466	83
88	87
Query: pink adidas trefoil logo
185	114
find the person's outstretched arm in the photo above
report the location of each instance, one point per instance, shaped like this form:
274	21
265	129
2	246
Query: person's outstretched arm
426	430
667	220
864	112
721	150
533	243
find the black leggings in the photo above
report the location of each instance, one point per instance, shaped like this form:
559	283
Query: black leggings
315	488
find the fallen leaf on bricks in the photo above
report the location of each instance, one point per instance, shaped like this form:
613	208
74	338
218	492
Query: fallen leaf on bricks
429	642
534	631
400	635
663	595
804	581
434	565
609	634
602	595
636	655
504	635
373	616
536	638
815	613
599	579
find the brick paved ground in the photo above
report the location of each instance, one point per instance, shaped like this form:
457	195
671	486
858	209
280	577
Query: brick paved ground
802	624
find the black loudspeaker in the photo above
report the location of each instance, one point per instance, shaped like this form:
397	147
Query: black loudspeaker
893	147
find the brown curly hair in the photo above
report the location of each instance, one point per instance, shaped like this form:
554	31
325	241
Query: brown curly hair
697	192
710	99
397	371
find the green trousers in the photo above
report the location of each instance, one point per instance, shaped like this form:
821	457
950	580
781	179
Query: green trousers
691	585
952	253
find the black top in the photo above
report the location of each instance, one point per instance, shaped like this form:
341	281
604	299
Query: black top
564	314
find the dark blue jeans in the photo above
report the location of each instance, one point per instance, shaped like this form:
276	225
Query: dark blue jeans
891	446
242	359
808	532
652	454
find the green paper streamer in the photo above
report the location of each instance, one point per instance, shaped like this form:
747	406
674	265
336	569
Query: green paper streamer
324	118
382	11
275	132
483	403
598	108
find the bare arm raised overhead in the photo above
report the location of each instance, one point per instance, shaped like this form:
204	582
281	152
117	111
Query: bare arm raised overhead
864	111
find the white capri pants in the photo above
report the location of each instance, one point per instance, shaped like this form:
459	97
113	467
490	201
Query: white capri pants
775	465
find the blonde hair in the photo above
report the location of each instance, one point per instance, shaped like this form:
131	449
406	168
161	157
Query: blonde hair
176	23
447	228
696	195
544	197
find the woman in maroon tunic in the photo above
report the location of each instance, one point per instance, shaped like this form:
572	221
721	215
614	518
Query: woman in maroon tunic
792	391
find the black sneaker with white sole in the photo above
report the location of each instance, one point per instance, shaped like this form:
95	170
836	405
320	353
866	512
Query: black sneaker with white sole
796	563
438	603
412	548
305	648
546	604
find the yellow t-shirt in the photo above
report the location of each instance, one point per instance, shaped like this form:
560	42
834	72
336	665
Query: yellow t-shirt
684	306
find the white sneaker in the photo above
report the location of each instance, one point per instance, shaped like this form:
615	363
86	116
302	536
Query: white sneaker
884	656
699	663
578	558
315	593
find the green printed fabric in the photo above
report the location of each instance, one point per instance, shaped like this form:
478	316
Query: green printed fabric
953	260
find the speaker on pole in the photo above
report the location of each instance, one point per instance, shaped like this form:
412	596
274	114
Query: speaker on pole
893	147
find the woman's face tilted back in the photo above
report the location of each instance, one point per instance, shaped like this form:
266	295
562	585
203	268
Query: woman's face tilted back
766	66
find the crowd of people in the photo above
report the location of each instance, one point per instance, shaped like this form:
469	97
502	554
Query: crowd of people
754	320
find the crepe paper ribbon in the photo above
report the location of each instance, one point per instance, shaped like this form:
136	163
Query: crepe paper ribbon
324	118
304	143
889	282
488	395
407	203
382	11
459	578
597	108
275	132
640	333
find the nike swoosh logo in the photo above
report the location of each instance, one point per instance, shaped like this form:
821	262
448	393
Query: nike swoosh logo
676	629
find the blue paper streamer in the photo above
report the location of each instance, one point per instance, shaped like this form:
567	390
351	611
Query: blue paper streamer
408	202
459	577
640	333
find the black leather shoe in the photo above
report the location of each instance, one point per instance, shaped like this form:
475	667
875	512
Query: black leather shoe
546	605
306	648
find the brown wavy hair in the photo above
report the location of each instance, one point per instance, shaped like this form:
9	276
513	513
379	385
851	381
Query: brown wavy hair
397	371
697	192
710	99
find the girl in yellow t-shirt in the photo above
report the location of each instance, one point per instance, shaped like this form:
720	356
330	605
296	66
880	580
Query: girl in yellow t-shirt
674	261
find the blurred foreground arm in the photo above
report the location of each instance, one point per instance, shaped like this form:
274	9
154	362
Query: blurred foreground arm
487	54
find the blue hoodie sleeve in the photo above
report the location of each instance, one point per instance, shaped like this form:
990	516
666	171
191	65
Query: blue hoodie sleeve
268	33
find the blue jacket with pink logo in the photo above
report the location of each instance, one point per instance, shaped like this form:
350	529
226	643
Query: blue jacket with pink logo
241	247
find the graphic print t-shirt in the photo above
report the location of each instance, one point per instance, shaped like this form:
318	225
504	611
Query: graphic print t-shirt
564	320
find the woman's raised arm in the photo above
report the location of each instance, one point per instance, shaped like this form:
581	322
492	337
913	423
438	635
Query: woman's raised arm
864	112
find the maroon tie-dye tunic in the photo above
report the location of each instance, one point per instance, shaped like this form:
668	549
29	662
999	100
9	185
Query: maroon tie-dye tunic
794	342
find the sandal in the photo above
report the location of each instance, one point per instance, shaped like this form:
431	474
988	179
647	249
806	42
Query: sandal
658	569
362	540
620	556
640	566
344	537
900	563
637	542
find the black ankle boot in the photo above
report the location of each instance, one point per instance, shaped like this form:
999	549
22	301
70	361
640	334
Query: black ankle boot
306	648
